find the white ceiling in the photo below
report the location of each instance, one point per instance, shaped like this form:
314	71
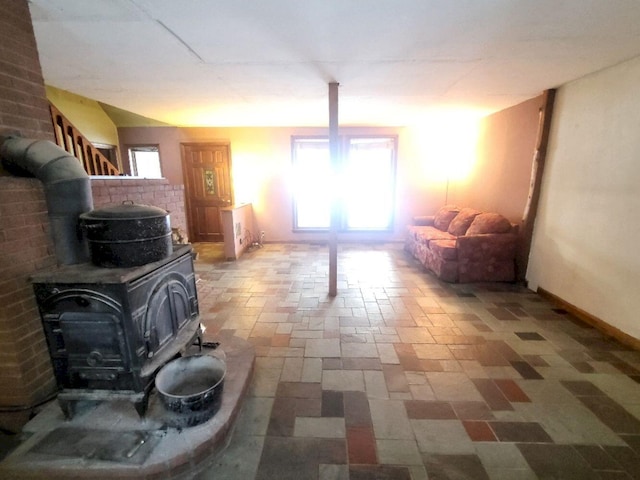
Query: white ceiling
268	62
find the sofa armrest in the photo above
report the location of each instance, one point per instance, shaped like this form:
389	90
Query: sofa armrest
487	246
423	221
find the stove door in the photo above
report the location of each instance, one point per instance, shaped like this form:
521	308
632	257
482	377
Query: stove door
95	347
169	310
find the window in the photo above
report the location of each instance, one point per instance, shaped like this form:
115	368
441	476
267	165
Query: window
365	186
145	161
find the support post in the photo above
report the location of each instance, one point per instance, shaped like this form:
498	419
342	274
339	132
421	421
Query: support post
525	232
334	150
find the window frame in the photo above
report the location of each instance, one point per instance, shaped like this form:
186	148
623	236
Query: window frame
149	147
344	142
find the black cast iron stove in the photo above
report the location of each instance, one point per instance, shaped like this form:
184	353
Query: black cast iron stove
109	330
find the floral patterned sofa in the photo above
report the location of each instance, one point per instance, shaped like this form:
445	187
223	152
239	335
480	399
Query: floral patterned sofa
464	245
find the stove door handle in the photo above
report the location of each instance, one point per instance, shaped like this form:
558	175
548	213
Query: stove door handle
147	344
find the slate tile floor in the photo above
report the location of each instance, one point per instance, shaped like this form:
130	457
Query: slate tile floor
404	377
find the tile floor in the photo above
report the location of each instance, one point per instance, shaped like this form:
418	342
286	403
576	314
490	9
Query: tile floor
404	377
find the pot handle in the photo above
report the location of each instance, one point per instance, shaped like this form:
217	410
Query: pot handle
93	226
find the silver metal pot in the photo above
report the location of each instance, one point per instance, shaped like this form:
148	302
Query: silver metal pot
192	387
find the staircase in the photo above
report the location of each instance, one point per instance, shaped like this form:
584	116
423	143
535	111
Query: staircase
70	139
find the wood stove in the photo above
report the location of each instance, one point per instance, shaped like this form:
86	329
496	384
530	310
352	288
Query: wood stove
109	330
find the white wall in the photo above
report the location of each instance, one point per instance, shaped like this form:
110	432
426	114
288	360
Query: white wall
586	244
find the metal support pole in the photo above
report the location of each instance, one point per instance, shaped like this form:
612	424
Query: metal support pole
334	150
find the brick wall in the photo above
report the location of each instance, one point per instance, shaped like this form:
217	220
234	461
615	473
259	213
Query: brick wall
25	246
24	107
25	369
159	193
26	376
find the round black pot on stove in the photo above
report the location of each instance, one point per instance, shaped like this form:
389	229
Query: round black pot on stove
127	235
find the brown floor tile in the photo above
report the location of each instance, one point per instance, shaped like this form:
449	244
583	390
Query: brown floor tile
520	432
410	363
284	458
283	417
454	467
597	457
423	410
582	388
583	367
530	336
511	390
356	409
626	458
403	296
472	411
332	364
459	339
557	462
625	368
395	378
464	352
378	472
488	356
525	370
361	445
427	365
479	431
280	340
495	398
633	441
465	317
535	360
612	414
404	349
332	404
308	407
502	314
299	390
361	364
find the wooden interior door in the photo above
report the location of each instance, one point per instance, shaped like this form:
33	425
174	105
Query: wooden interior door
207	181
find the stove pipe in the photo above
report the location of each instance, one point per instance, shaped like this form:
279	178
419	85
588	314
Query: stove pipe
67	190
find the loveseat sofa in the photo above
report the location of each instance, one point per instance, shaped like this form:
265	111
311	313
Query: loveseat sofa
464	245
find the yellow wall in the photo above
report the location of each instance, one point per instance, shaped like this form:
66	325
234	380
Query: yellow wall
86	115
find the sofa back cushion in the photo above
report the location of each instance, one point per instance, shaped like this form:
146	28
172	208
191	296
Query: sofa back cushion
462	221
444	216
489	223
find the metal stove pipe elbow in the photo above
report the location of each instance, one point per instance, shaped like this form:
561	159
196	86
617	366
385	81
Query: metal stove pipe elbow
67	190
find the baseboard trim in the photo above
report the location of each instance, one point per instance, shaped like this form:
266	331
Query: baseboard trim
592	320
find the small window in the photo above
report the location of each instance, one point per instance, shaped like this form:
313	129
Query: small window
145	161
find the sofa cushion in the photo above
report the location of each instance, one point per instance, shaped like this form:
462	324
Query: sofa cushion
462	221
427	234
489	223
444	216
445	249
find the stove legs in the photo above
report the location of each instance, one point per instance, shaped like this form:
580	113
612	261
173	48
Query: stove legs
68	407
142	405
